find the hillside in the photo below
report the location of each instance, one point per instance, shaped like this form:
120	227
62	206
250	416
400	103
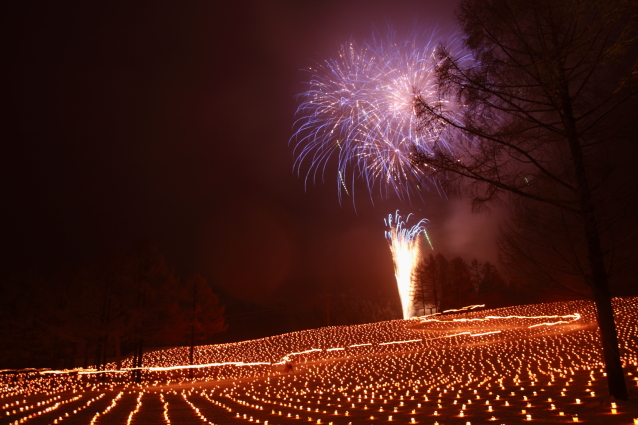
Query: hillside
536	363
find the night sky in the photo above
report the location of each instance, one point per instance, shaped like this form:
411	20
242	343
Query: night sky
170	122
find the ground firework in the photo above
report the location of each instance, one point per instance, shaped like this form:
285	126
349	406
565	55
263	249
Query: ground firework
404	244
360	107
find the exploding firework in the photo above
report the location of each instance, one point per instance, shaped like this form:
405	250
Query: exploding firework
404	244
360	107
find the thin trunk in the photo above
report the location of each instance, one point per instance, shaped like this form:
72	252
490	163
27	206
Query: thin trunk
107	320
435	294
134	360
74	354
98	354
422	281
102	354
86	354
599	279
134	364
605	312
105	356
192	351
139	354
192	341
138	346
458	290
118	352
105	342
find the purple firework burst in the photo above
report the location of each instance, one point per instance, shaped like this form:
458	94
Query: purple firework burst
360	108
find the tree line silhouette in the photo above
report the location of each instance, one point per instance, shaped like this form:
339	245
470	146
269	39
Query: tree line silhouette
119	305
440	284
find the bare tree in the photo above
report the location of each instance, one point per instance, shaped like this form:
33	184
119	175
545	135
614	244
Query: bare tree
549	88
203	316
461	291
148	277
422	289
440	284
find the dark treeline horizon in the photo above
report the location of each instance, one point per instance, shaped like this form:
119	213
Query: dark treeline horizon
120	306
115	307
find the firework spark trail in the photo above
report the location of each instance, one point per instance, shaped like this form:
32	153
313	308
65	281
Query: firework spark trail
427	237
574	317
361	108
404	245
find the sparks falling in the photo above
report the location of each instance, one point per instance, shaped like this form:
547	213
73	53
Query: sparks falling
360	107
404	244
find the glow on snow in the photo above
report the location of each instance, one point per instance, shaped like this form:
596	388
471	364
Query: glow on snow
424	319
404	244
360	106
501	369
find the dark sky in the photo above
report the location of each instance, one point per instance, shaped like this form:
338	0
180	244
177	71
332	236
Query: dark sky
170	122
